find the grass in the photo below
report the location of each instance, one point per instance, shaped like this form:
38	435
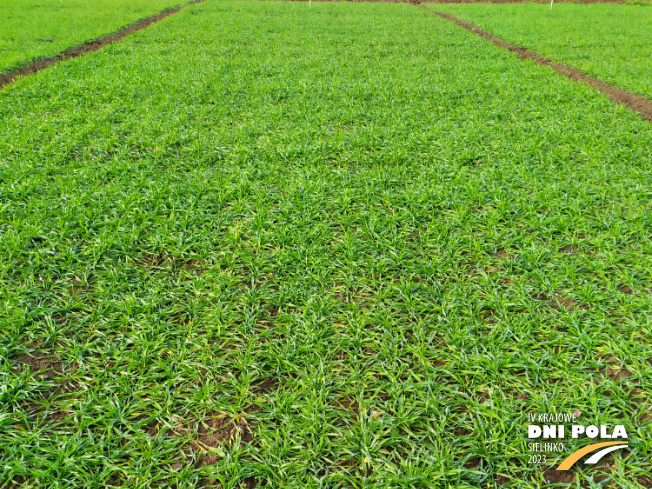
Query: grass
32	29
610	42
350	245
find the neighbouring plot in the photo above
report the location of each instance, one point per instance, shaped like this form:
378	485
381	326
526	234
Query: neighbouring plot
610	42
344	245
31	29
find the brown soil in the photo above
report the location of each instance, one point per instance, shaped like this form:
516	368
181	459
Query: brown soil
559	302
635	102
524	1
569	250
563	476
43	364
472	463
645	481
89	47
617	374
217	431
265	385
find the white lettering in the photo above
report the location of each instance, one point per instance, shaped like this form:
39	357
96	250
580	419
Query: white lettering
603	431
533	431
549	431
619	431
592	431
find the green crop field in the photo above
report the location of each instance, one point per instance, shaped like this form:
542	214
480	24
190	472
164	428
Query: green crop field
610	42
31	29
337	246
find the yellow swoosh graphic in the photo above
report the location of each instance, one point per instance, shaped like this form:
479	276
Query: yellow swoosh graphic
575	456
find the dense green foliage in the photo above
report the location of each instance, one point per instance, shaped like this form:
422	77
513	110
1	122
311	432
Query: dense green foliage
610	42
356	241
31	29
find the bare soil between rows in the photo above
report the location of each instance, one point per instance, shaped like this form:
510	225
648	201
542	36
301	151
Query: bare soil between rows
638	104
88	47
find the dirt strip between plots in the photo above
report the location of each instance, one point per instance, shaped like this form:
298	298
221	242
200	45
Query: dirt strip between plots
635	102
88	47
418	2
616	2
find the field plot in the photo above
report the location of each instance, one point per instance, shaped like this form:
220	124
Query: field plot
346	245
610	42
31	29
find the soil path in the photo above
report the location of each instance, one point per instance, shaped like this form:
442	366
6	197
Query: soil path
635	102
418	2
618	2
88	47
